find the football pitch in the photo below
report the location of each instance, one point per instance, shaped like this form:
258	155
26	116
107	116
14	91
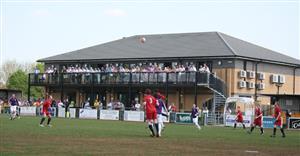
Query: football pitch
97	137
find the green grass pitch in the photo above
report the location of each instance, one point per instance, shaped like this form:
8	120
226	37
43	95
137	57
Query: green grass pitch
97	137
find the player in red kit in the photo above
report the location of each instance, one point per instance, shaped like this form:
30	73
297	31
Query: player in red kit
257	120
46	112
239	117
278	120
151	114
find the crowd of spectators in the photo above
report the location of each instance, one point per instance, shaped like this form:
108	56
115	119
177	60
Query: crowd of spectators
124	68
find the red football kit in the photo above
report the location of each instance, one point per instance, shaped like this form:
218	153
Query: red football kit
239	116
257	121
150	107
277	112
46	106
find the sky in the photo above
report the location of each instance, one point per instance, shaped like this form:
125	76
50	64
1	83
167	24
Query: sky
31	30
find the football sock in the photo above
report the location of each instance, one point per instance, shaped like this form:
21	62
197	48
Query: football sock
244	126
281	129
234	125
151	129
274	131
49	119
261	130
252	128
43	119
156	127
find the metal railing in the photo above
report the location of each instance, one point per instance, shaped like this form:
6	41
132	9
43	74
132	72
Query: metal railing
107	78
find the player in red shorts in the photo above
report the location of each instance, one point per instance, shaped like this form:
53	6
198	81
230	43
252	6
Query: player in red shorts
46	112
257	120
239	117
151	114
278	120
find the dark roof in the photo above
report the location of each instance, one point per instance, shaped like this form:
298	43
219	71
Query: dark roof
205	44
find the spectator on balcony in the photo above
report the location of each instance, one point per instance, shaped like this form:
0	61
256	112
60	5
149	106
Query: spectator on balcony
206	69
192	68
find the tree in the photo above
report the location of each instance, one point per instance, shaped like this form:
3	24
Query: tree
18	80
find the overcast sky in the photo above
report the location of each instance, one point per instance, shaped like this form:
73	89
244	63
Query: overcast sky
32	30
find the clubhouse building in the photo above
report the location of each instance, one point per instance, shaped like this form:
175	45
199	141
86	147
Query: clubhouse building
173	65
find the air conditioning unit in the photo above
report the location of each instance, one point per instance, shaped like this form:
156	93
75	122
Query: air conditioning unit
274	78
261	76
242	84
250	85
261	86
281	79
243	73
251	74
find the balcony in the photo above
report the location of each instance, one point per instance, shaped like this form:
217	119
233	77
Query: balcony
130	78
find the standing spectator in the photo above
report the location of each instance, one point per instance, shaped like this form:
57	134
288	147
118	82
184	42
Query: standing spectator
172	108
287	117
206	69
278	120
67	104
137	105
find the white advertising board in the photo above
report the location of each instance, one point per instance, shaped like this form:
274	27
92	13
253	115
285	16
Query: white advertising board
134	116
88	113
72	112
28	111
109	114
61	112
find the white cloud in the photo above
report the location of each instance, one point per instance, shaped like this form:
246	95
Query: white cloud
115	12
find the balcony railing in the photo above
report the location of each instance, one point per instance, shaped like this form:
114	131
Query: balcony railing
104	78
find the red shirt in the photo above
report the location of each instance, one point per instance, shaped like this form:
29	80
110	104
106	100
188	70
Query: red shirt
46	104
258	112
239	114
150	103
277	111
